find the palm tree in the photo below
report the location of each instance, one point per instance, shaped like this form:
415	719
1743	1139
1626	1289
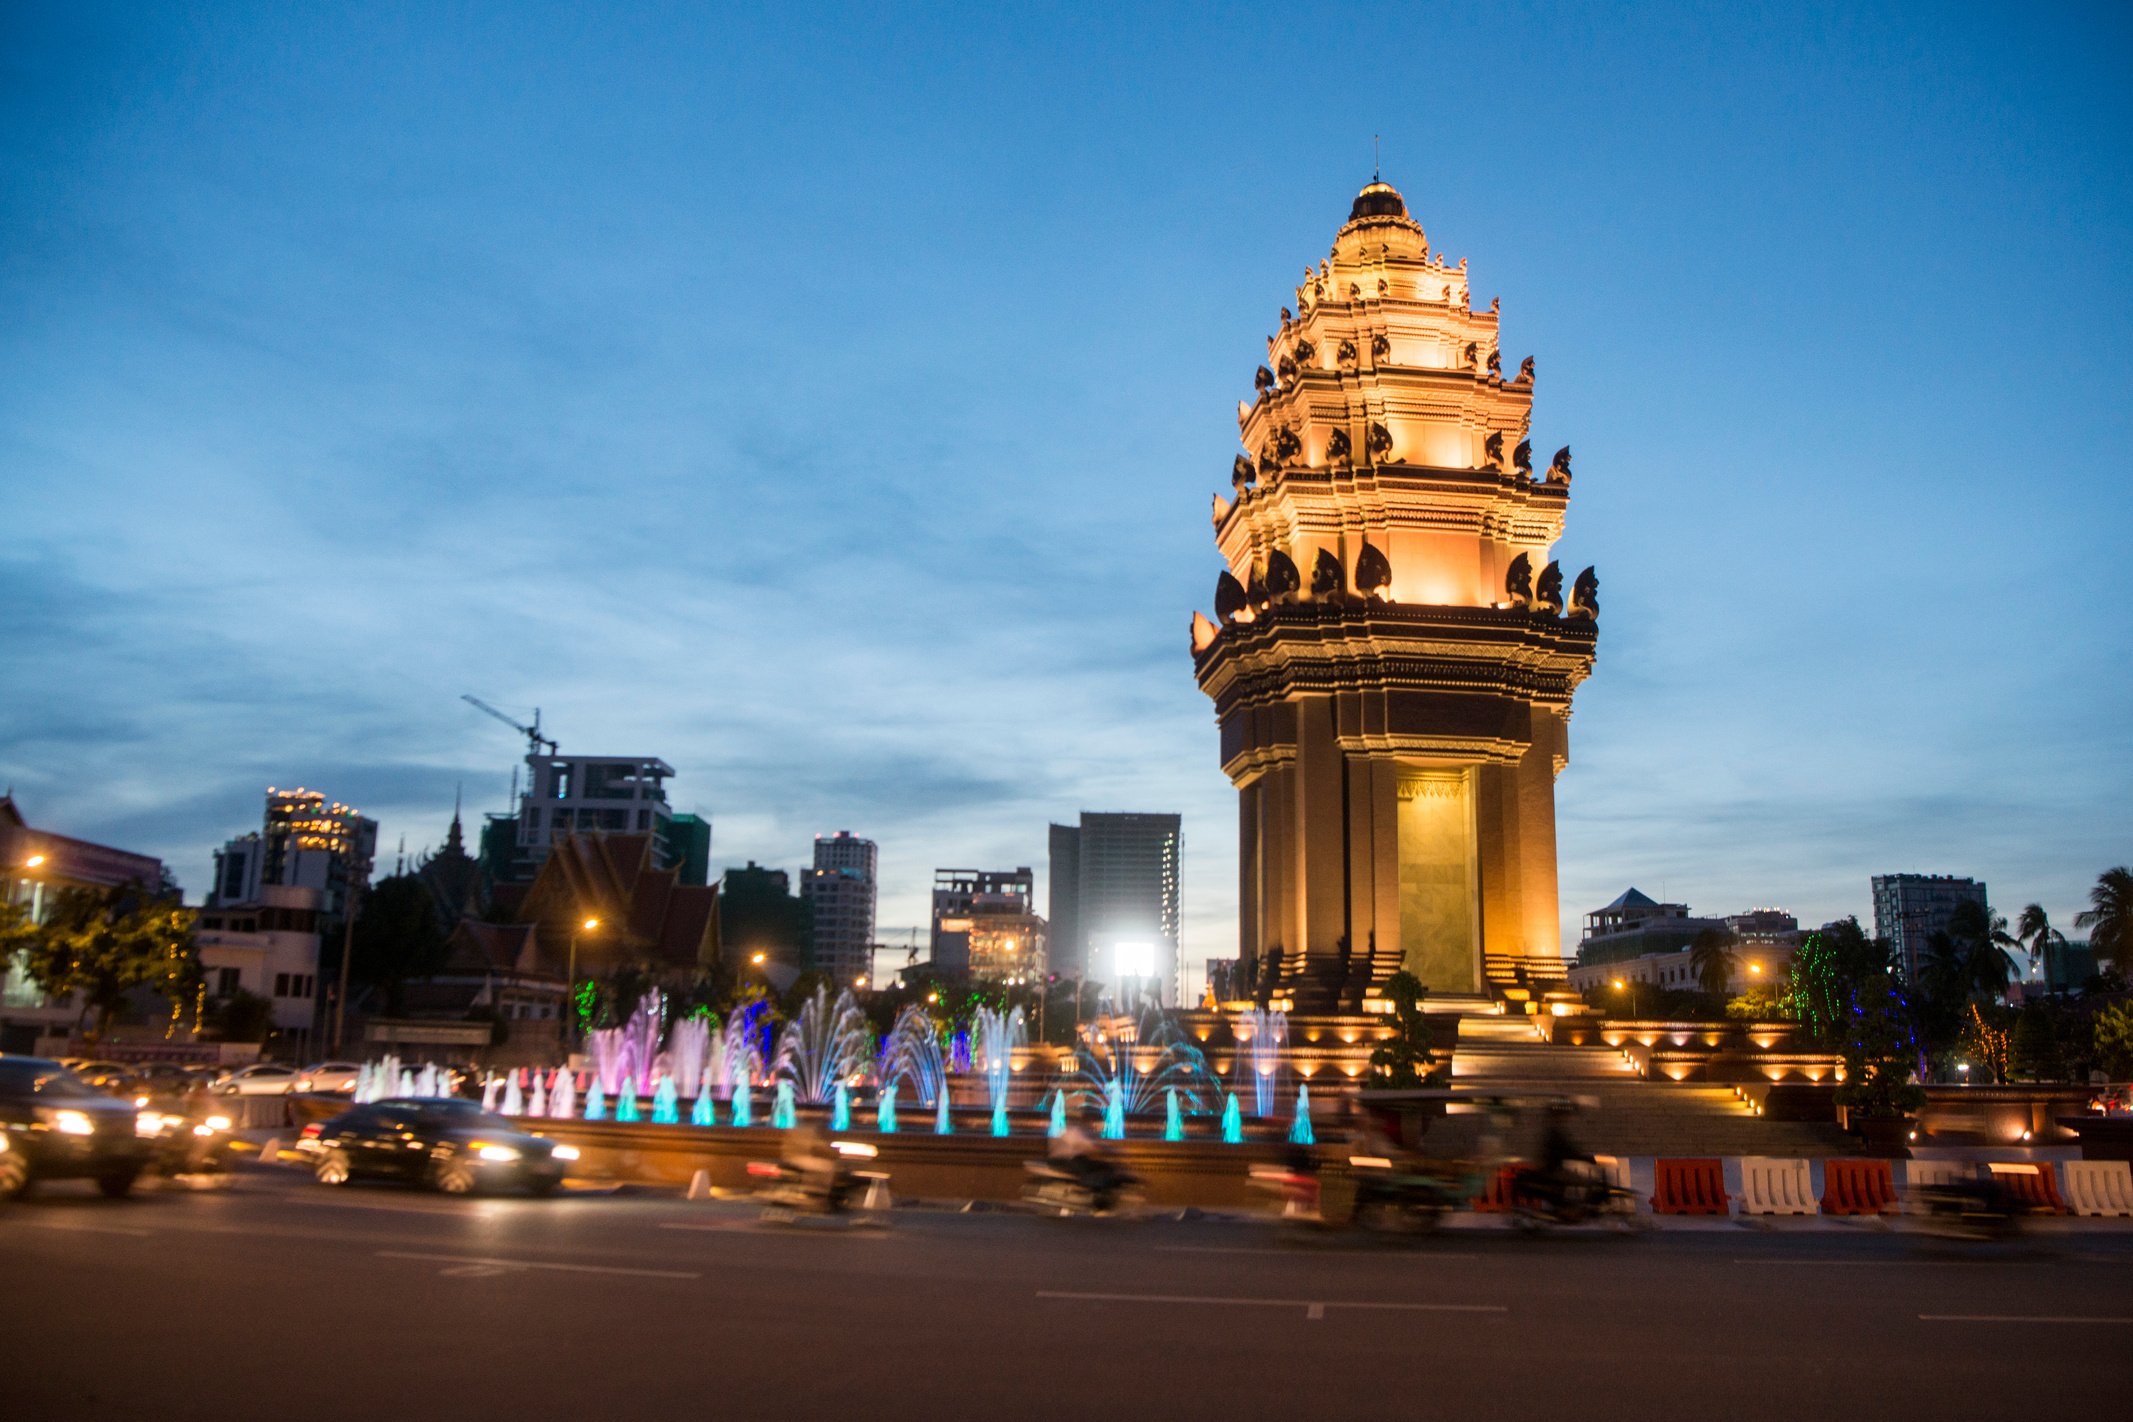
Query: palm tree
2034	928
2109	916
1711	960
1973	953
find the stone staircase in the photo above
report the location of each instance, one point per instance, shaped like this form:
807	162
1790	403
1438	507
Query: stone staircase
1625	1114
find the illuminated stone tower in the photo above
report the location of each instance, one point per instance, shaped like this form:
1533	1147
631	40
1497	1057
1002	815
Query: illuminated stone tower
1393	658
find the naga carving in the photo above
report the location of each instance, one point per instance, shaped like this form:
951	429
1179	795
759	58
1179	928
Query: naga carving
1305	352
1525	371
1287	369
1518	581
1492	449
1282	448
1282	579
1345	353
1373	570
1379	441
1338	447
1263	380
1548	592
1242	473
1585	596
1325	575
1229	596
1522	458
1496	364
1559	467
1380	349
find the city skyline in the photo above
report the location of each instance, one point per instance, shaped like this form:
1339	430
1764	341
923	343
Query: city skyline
859	470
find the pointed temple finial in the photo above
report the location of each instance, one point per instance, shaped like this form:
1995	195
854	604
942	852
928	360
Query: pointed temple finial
1376	159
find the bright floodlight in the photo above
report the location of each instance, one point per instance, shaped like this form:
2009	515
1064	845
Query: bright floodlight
35	861
591	924
1136	960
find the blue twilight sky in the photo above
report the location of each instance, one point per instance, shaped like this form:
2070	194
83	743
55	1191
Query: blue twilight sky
828	401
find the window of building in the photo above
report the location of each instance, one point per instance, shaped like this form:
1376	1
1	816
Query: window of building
227	981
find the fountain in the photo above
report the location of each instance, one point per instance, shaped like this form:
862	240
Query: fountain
1300	1131
689	1050
1232	1121
913	1050
822	1048
998	1035
407	1083
705	1111
942	1125
743	1106
1058	1125
595	1101
562	1101
1262	1055
491	1086
1128	1075
626	1101
514	1103
841	1109
426	1084
537	1100
666	1102
885	1110
781	1108
1173	1124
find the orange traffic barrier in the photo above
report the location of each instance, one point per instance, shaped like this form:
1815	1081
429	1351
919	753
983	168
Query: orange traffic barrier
1689	1187
1496	1195
1857	1187
2034	1185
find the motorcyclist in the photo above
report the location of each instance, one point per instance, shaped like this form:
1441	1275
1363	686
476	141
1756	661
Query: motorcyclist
1552	1178
1078	1154
806	1152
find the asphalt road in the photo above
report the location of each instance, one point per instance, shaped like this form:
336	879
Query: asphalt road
284	1299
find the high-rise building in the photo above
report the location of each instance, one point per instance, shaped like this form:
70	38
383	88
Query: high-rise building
1393	651
1115	883
759	913
1063	898
1910	908
580	794
306	842
961	894
841	888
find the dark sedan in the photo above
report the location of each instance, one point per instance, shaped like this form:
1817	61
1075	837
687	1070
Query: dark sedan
55	1126
449	1144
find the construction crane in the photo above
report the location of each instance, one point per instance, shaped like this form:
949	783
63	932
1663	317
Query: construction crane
534	739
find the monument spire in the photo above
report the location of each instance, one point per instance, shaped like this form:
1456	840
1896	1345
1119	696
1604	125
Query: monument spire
1394	718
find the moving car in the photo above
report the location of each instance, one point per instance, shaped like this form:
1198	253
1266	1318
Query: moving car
449	1144
258	1079
55	1126
328	1076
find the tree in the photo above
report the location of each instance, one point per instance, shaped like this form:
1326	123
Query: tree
1879	1051
397	937
1404	1059
2109	917
104	943
2033	1045
2034	928
1711	960
1828	973
2114	1040
241	1017
1762	1002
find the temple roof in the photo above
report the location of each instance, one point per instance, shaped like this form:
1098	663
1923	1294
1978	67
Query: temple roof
1632	898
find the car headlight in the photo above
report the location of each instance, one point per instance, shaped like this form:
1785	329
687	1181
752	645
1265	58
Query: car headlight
218	1123
73	1123
149	1123
565	1152
495	1152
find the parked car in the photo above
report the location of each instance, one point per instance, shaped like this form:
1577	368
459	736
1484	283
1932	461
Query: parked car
327	1076
55	1126
258	1079
111	1078
448	1144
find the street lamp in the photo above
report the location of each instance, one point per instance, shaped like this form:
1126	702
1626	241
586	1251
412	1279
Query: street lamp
756	958
570	989
860	981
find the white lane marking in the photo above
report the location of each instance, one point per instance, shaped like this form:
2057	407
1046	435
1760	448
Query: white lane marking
90	1228
1313	1308
1305	1251
1894	1263
531	1264
2017	1318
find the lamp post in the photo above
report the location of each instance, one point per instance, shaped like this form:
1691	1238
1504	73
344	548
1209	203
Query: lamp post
570	988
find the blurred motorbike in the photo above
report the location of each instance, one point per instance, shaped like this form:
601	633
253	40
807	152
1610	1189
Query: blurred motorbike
1971	1207
1081	1185
825	1183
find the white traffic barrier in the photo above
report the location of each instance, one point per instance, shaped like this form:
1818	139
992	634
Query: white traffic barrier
700	1185
877	1196
270	1151
2099	1187
1776	1185
1918	1173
